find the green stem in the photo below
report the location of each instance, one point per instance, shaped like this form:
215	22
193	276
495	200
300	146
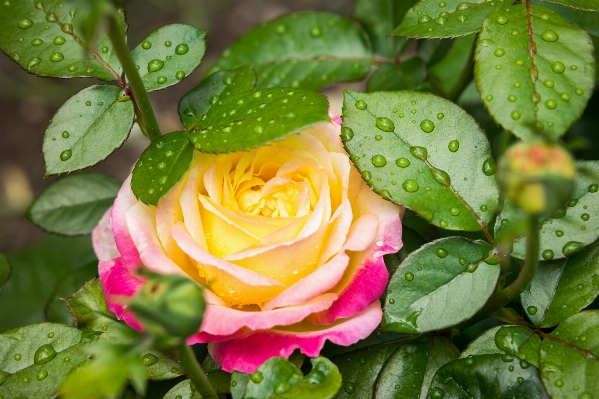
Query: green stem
143	108
195	373
531	261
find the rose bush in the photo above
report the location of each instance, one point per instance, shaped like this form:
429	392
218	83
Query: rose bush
287	240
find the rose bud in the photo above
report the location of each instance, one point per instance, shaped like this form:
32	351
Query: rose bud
537	177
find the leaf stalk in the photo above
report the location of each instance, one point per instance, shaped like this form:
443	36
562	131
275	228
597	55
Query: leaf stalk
194	372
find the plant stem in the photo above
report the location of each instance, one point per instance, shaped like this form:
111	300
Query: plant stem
194	372
506	295
143	108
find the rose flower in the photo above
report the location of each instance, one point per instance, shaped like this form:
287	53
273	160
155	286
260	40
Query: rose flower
287	240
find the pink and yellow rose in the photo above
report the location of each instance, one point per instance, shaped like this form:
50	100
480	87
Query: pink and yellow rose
287	240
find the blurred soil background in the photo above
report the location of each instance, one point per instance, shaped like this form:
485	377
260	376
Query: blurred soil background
28	102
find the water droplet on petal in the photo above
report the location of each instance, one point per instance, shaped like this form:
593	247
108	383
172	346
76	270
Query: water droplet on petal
572	247
424	19
315	31
402	162
516	115
146	45
442	253
161	79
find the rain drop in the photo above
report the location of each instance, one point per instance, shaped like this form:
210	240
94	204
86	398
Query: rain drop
259	129
558	67
155	65
385	124
489	97
462	18
42	374
499	52
548	83
483	208
17	356
65	135
65	155
559	383
442	253
437	393
168	43
501	20
402	162
489	167
181	49
585	216
347	134
579	92
256	377
146	45
378	137
88	103
572	247
161	79
409	276
25	23
315	32
72	68
551	104
350	387
379	161
440	20
512	98
56	57
180	75
419	152
410	185
454	145
44	354
469	361
424	19
549	36
427	126
361	105
516	115
547	254
454	211
37	42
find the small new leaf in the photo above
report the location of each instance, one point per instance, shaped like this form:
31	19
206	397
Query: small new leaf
534	71
308	50
161	166
221	84
439	285
74	204
169	54
423	152
45	39
251	119
87	129
449	18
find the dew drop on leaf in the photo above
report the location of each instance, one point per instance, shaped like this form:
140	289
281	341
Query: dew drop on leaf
256	377
427	126
148	359
42	374
385	124
181	49
402	162
547	254
44	354
360	104
549	36
56	57
558	67
379	161
409	276
65	155
410	185
25	23
155	65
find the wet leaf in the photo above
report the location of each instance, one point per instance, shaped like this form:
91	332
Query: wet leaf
537	91
449	18
439	285
75	204
303	50
169	54
45	39
423	152
87	129
161	166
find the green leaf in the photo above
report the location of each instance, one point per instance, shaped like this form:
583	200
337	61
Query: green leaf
538	95
38	270
379	17
239	382
169	54
219	379
161	166
87	129
248	120
409	75
519	341
305	50
410	369
5	270
586	20
182	390
75	204
439	285
44	38
449	18
487	376
568	230
590	5
450	75
484	344
569	357
221	84
89	309
279	378
360	369
423	152
561	288
35	359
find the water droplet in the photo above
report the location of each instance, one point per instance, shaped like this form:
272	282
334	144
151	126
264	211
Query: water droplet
65	155
37	42
454	145
25	23
572	203
516	115
378	137
402	162
572	247
501	20
168	43
443	223
385	124
427	126
489	97
256	377
161	79
410	185
437	393
409	276
347	134
419	152
489	167
180	75
472	267
148	359
585	216
558	67
483	208
181	49
499	52
17	356
559	383
440	20
66	28
462	18
44	354
424	19
72	68
42	374
350	387
549	83
469	361
155	65
361	105
551	104
146	45
315	31
549	36
442	253
258	129
547	254
379	161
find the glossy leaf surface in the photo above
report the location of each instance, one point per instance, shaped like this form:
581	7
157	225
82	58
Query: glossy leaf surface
590	5
410	75
161	166
86	129
252	119
169	54
305	50
74	204
450	74
45	39
534	79
423	152
439	285
450	18
182	390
